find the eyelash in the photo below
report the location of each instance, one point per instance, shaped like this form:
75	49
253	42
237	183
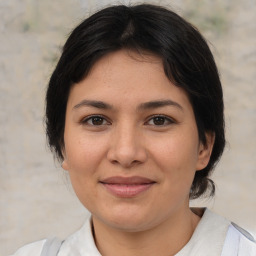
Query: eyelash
166	118
85	121
104	119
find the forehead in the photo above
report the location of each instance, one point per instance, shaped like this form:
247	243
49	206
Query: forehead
125	76
126	63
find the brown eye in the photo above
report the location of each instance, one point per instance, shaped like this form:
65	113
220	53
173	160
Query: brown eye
160	121
95	121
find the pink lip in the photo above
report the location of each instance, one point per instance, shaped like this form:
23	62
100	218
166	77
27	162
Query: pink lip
127	187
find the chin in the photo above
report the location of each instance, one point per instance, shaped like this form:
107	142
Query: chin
129	221
131	226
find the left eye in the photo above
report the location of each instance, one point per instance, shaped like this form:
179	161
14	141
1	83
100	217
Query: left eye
95	121
160	121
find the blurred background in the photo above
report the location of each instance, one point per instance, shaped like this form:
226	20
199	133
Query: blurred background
36	198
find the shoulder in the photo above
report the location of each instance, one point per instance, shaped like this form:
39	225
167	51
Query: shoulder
239	242
243	232
32	249
80	242
247	243
221	237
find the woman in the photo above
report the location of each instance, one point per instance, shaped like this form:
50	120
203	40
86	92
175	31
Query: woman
134	110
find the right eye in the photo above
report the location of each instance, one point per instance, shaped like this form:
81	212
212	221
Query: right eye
95	121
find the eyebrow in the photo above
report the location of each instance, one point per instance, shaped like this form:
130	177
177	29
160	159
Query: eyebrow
93	103
143	106
159	104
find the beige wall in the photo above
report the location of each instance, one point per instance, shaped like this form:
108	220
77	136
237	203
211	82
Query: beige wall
36	198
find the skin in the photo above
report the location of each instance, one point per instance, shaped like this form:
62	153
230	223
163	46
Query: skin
129	140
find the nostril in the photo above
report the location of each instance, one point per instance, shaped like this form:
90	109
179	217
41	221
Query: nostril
114	161
126	163
126	152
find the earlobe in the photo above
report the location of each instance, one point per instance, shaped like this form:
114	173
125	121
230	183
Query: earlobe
205	151
64	165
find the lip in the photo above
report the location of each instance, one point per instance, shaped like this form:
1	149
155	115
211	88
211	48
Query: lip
127	187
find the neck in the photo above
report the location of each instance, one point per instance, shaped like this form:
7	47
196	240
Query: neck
166	239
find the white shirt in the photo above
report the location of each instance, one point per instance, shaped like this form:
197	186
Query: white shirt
213	236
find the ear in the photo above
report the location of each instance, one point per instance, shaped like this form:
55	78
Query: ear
64	164
205	151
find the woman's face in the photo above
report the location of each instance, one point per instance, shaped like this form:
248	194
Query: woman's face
131	143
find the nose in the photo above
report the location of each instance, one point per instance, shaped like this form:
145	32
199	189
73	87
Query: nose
127	147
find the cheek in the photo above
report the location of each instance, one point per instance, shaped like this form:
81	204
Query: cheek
83	153
177	157
83	158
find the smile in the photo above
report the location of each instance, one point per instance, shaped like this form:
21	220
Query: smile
127	187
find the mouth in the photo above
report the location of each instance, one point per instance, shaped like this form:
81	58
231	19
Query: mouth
127	187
